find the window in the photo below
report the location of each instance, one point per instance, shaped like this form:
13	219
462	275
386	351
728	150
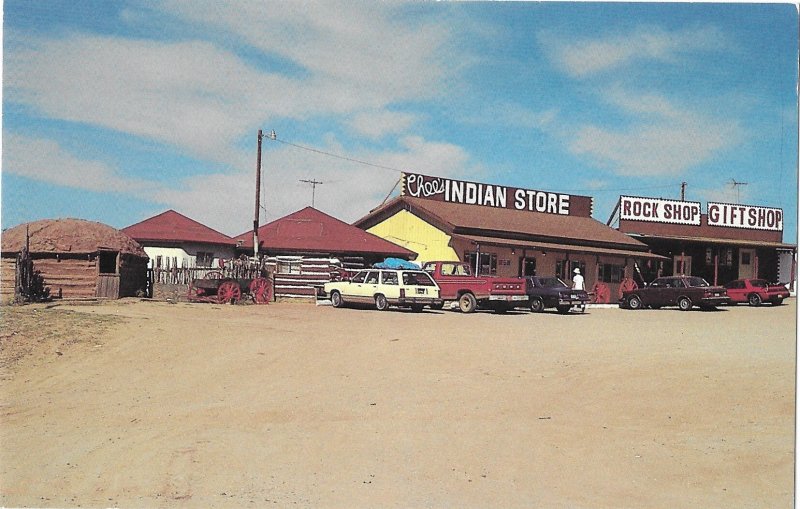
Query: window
565	268
745	255
204	259
735	285
359	278
108	262
488	262
610	273
389	278
453	269
417	279
372	278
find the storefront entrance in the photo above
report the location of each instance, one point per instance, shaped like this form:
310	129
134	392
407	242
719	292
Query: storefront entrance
682	265
747	263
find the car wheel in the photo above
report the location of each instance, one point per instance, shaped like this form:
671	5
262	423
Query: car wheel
467	303
381	304
336	300
777	302
754	299
437	306
634	302
684	304
563	309
537	305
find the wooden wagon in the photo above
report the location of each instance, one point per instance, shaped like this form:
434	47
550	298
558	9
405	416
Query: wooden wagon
216	287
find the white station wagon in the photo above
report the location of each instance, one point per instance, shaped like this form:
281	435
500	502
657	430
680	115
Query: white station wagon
414	289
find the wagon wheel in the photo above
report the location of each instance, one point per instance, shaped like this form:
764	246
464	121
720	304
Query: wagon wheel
627	285
602	294
195	293
229	292
261	290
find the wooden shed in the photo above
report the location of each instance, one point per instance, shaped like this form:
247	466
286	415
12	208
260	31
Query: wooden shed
76	258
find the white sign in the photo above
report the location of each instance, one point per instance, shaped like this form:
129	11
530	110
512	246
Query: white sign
745	216
471	193
657	210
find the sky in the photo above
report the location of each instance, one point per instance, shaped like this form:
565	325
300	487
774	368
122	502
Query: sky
118	111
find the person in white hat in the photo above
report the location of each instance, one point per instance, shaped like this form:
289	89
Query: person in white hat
577	280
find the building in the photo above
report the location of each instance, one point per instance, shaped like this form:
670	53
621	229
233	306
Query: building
76	258
302	249
172	240
729	241
508	231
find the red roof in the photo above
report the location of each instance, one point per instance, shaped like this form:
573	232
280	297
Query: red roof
309	230
456	218
174	227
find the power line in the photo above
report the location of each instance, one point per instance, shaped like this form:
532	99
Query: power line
389	168
337	156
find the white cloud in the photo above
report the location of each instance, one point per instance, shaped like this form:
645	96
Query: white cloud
190	95
348	189
377	124
46	161
362	53
587	57
662	139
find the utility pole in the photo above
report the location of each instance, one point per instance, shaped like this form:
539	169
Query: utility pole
314	184
271	136
683	191
258	196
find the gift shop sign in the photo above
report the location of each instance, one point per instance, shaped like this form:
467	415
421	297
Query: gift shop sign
489	195
745	216
657	210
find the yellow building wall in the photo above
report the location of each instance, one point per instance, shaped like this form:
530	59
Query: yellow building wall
407	230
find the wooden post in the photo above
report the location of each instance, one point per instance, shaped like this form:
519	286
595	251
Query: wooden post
716	268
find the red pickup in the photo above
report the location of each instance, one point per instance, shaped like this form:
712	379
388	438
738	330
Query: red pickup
457	283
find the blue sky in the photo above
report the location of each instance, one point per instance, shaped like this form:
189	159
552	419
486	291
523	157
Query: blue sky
117	111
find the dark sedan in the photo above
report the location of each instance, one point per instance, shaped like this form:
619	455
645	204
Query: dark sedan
551	292
682	291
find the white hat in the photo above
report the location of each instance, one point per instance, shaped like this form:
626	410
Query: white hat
577	270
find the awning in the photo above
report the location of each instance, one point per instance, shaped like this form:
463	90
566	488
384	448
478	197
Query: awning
713	240
568	248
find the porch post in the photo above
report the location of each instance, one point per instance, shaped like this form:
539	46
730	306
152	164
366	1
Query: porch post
716	267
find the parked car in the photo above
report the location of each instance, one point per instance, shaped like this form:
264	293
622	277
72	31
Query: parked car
413	289
756	291
472	292
682	291
551	292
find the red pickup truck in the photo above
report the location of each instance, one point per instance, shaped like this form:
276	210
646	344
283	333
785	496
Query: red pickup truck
457	283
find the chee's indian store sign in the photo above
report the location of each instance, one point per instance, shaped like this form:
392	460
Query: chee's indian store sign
490	195
727	215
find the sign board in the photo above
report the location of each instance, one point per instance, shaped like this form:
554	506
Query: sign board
745	216
658	210
490	195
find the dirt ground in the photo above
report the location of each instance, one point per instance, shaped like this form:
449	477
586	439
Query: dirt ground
147	404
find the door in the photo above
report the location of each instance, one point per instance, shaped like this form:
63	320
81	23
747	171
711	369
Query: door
680	269
747	263
108	275
529	266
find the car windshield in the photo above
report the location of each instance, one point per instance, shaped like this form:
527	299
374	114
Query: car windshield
759	283
417	279
550	282
692	282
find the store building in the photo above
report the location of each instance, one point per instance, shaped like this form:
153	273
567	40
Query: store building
728	242
507	231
